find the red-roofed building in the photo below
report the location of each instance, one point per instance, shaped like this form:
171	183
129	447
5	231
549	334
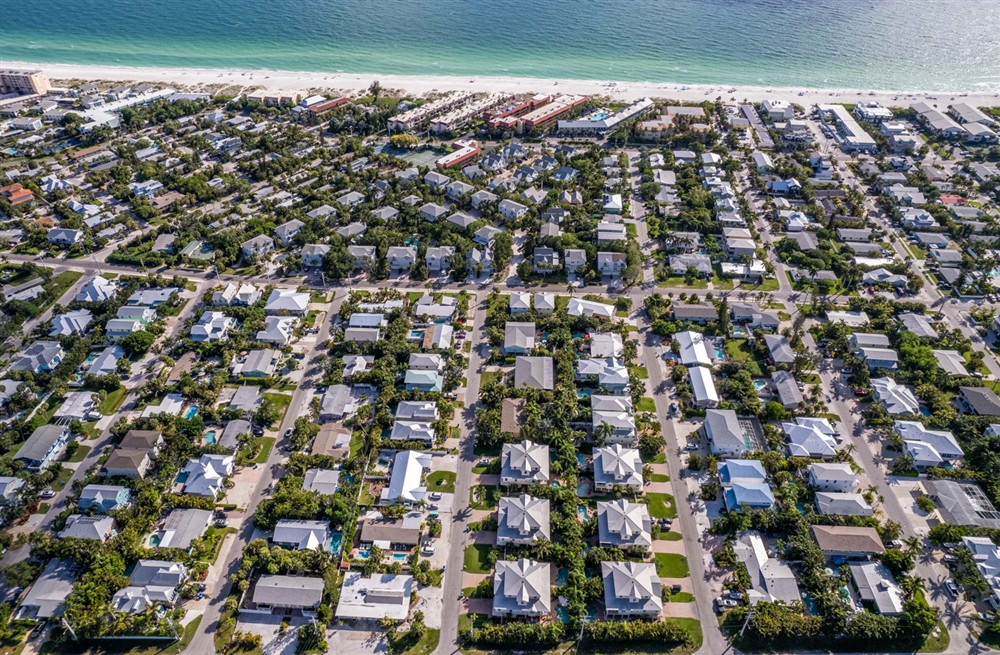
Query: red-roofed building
952	199
17	194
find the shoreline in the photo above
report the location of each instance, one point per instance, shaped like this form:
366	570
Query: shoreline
352	83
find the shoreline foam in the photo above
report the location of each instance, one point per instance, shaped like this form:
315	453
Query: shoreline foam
419	85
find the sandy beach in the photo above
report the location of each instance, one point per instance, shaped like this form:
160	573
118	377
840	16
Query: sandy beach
354	83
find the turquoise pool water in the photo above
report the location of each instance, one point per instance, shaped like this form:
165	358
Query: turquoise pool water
562	577
90	359
719	353
581	512
211	438
580	460
336	539
759	384
154	541
363	554
582	489
191	411
400	557
563	614
182	477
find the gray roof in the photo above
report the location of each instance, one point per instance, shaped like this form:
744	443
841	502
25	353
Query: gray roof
981	401
684	311
47	596
786	387
404	530
40	442
631	588
522	587
621	523
288	591
533	373
247	398
723	430
519	335
781	351
963	503
182	526
525	461
523	518
230	435
88	527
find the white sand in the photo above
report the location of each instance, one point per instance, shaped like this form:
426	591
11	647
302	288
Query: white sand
419	85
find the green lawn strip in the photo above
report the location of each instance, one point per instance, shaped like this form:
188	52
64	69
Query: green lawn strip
770	284
428	643
263	447
61	480
721	282
43	508
639	371
939	640
662	506
113	401
484	497
659	477
477	558
60	284
414	296
281	402
80	454
681	597
671	536
739	351
645	405
211	544
357	441
671	565
679	281
442	481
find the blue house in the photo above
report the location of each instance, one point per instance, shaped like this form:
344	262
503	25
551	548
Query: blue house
423	381
755	495
104	497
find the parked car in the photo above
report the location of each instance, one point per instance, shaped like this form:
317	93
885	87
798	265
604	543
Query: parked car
952	588
436	495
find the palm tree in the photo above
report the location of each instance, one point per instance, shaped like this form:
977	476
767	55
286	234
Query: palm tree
603	432
375	90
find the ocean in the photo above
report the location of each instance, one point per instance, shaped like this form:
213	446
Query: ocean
893	45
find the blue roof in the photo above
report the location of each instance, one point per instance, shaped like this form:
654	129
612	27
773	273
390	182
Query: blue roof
751	494
741	469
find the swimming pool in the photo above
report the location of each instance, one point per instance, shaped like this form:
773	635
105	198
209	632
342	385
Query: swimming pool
154	541
336	539
191	412
363	554
719	353
400	557
581	512
760	385
182	477
580	461
210	437
90	359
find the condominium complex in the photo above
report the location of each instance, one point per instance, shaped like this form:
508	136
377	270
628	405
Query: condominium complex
24	82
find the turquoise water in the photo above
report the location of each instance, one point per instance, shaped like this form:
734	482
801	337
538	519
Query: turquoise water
210	437
191	411
336	539
889	44
400	557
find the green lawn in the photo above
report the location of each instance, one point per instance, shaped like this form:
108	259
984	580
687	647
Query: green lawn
809	378
721	282
671	565
631	229
414	296
661	458
739	351
639	371
938	640
428	643
681	597
262	446
645	405
671	536
678	281
489	377
659	477
281	402
43	508
60	284
310	319
443	481
80	454
662	506
484	497
113	401
357	441
477	558
211	544
61	480
156	648
770	284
